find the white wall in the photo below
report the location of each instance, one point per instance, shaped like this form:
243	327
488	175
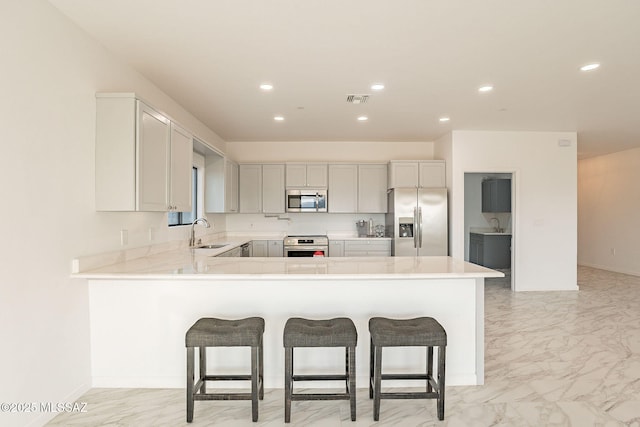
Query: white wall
355	151
545	217
608	207
49	75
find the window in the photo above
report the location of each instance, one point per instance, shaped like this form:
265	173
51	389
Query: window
186	218
197	195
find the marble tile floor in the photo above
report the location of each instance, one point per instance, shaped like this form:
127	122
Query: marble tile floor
552	359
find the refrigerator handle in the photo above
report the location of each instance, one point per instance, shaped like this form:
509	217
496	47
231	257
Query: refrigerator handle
415	227
419	227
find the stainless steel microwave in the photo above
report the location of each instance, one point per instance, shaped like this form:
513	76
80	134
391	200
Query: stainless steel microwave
307	200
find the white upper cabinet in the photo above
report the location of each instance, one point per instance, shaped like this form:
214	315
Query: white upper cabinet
142	163
306	175
250	188
262	188
153	159
231	186
272	188
181	155
432	174
360	188
422	173
221	185
343	188
372	188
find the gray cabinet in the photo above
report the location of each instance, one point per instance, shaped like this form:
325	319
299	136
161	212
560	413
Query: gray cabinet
491	251
496	195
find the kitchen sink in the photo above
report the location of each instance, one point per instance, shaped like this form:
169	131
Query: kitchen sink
210	246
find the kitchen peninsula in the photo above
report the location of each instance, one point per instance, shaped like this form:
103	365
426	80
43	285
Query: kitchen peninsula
140	310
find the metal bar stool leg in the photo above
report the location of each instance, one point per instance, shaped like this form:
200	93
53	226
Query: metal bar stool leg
190	362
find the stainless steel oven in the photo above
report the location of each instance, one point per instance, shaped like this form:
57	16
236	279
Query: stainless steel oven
306	246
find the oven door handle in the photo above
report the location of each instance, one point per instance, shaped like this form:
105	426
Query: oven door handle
306	248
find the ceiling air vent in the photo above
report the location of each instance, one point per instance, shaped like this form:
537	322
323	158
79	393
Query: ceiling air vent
357	99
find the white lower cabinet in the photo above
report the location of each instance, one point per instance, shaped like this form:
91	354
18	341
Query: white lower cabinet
267	248
360	247
336	248
367	247
276	248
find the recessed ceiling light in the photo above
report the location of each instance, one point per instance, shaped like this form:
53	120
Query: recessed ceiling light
444	119
589	67
266	86
363	118
377	86
487	88
278	118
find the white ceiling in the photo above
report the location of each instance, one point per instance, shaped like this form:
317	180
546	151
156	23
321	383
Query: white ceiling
432	55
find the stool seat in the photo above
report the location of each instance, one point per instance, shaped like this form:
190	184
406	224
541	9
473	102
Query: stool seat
212	332
421	331
338	332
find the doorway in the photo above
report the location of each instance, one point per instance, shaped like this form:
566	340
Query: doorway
489	219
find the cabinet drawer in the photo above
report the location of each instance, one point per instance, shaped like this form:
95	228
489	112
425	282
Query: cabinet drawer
367	245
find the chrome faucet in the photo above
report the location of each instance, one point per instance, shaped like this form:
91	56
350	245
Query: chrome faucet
192	240
496	229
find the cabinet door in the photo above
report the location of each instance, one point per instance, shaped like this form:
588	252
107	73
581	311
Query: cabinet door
343	188
496	195
230	186
181	167
336	248
403	174
260	248
503	195
273	188
432	174
296	175
276	248
250	188
153	160
317	175
372	189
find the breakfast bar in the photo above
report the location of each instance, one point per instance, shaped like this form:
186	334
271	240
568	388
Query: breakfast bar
141	309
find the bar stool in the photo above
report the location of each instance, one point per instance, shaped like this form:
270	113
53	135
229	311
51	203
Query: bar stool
338	332
212	332
421	331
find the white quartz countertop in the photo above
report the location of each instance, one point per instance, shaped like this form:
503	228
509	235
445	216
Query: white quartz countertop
189	264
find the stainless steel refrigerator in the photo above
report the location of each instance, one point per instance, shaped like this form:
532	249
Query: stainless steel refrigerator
417	221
